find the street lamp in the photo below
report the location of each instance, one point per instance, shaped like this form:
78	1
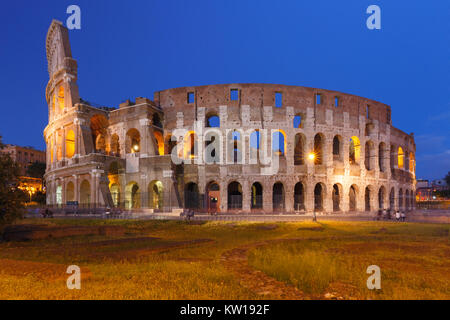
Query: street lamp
311	156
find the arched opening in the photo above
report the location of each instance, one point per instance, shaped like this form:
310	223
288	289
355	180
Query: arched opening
212	121
392	199
337	197
213	200
298	121
61	102
155	194
51	149
278	197
255	140
156	120
70	192
159	142
132	196
299	151
85	193
191	196
318	197
352	197
381	195
59	145
299	197
279	142
382	156
115	145
337	146
235	144
257	194
401	158
99	125
133	141
234	195
400	200
59	198
190	145
70	144
114	189
369	155
100	143
212	146
354	150
412	163
318	149
407	200
367	198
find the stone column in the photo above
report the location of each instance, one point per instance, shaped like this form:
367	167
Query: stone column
267	198
246	196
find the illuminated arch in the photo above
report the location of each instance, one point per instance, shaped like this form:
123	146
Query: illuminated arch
412	163
85	193
155	194
401	158
190	145
159	142
61	98
132	196
115	145
70	144
70	192
354	150
279	143
133	141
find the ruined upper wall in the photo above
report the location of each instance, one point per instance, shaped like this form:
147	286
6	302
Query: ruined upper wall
259	95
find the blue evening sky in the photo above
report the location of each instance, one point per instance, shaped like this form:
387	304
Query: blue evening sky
127	49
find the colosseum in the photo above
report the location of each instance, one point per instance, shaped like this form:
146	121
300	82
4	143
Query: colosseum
230	148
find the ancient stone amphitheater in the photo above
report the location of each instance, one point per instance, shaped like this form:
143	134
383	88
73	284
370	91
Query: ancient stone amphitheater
247	148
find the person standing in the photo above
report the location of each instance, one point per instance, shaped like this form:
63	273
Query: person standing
397	215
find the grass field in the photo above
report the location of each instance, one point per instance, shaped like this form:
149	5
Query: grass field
181	260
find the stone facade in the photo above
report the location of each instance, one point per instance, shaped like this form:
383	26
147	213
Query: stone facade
277	148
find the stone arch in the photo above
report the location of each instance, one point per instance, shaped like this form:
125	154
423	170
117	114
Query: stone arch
61	99
299	151
381	197
70	144
337	148
400	199
133	141
354	150
156	120
132	196
319	196
85	193
114	146
213	197
369	155
337	197
319	140
190	145
99	124
212	120
353	198
392	199
191	196
279	144
400	158
278	196
299	196
155	194
368	197
235	145
114	189
234	195
70	191
412	163
382	156
298	121
159	142
256	196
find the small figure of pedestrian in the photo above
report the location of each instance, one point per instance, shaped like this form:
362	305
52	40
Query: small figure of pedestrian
397	215
403	216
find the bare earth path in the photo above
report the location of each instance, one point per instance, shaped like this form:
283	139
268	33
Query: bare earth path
236	260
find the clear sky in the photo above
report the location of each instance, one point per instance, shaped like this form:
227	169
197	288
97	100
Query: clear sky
127	49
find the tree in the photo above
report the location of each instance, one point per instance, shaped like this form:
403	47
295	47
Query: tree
11	197
447	178
36	170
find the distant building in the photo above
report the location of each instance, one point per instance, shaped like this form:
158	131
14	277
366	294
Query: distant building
424	191
24	156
